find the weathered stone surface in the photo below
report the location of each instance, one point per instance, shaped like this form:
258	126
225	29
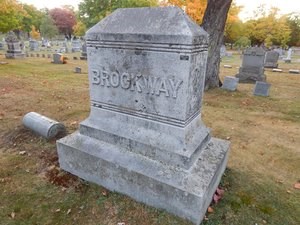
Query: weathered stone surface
33	45
252	68
261	88
42	125
271	60
76	45
144	136
57	58
230	83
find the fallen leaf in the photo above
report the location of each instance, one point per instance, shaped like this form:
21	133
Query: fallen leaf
104	193
122	223
210	210
12	215
264	221
216	198
228	138
297	186
74	123
69	211
57	210
22	152
288	191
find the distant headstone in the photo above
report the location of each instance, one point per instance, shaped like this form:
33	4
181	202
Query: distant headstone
223	51
48	56
14	50
83	52
43	55
294	71
58	58
144	136
37	55
42	125
77	70
230	83
261	88
75	57
271	60
31	55
33	45
288	59
76	45
252	68
1	46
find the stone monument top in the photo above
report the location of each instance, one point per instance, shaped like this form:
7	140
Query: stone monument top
11	37
161	25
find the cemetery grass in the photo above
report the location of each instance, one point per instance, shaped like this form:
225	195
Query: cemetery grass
259	181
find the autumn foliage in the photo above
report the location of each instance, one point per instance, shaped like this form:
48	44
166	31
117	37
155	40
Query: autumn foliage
64	19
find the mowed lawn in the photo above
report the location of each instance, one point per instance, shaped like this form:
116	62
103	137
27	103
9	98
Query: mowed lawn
263	167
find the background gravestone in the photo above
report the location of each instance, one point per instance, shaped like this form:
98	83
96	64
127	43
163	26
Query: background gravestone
252	68
58	58
144	136
33	45
83	52
76	45
14	50
271	60
230	83
261	89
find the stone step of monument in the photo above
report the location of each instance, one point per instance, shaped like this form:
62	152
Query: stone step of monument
150	145
294	71
186	193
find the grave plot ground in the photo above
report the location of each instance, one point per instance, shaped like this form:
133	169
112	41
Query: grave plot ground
259	183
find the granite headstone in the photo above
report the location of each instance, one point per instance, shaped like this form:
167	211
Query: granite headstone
144	136
261	88
230	83
271	60
14	50
252	68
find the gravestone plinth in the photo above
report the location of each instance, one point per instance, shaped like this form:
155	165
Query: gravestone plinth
271	60
144	136
252	68
14	50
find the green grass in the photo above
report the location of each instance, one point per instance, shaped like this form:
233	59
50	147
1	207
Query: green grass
262	169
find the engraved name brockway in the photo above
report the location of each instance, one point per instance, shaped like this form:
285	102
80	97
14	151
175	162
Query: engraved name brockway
137	82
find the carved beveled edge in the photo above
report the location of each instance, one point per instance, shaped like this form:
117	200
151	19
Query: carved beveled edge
161	47
143	115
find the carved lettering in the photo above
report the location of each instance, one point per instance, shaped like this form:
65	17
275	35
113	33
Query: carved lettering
125	80
114	79
175	87
95	77
137	82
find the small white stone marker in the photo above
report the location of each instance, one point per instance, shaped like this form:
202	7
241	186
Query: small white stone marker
227	66
276	70
294	71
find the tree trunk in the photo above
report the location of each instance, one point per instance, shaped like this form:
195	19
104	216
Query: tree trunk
214	24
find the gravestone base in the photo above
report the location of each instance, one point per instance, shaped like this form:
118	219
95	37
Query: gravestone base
250	77
271	65
186	193
15	55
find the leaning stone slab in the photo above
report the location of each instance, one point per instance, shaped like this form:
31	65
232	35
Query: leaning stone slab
261	88
294	71
144	136
230	83
42	125
277	70
252	68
